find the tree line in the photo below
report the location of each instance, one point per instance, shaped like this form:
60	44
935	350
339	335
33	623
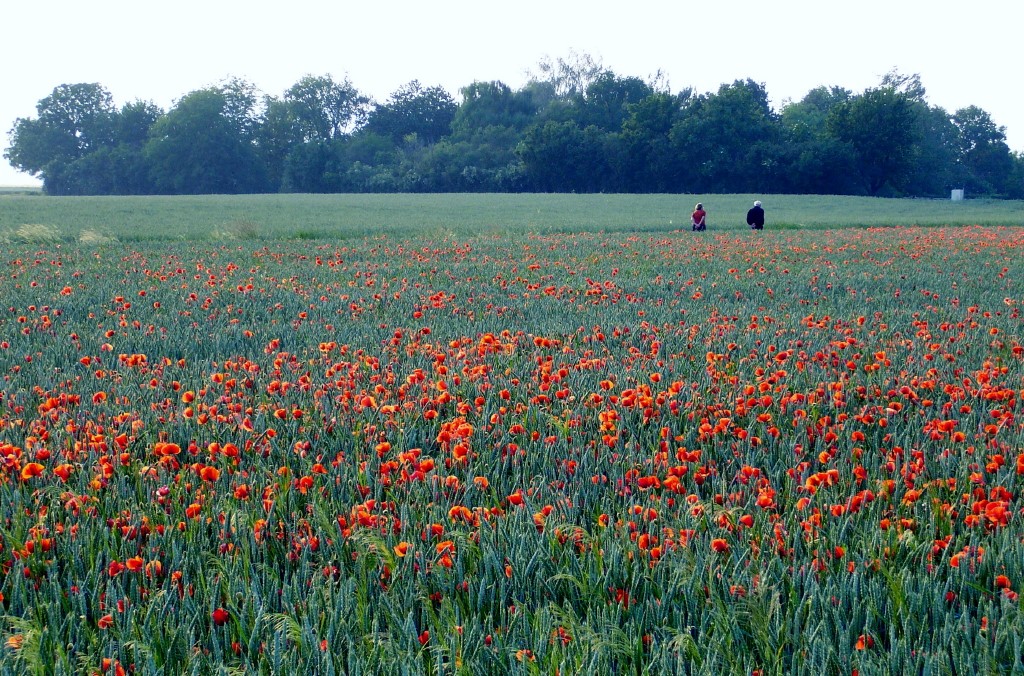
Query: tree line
575	126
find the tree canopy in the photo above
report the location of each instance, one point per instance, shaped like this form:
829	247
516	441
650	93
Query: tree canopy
574	126
202	146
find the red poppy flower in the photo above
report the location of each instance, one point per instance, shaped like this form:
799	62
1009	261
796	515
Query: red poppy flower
220	617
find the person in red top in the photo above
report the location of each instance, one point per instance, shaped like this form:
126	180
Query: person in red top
697	220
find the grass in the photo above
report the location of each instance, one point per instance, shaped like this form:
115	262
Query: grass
218	217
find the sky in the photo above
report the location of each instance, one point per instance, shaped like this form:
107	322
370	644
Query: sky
966	53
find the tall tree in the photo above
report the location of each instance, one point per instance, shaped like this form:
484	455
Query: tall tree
133	122
1015	181
121	168
325	109
569	76
242	106
727	139
198	148
880	126
806	119
648	163
278	134
908	85
934	155
812	160
605	101
426	112
74	120
492	104
984	159
561	157
480	154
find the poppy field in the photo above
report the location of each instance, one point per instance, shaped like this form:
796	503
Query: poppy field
606	452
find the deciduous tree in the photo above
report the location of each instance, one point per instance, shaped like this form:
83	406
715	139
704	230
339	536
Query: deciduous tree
198	148
561	157
72	121
426	112
727	139
983	157
880	126
492	104
325	109
649	163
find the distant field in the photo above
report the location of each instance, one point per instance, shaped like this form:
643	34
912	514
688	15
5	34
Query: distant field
19	190
25	216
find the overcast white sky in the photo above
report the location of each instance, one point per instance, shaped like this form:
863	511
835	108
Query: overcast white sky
967	53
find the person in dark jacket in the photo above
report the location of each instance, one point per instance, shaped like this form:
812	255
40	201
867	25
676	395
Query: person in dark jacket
755	217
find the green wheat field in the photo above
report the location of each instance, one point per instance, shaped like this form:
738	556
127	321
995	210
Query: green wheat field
510	434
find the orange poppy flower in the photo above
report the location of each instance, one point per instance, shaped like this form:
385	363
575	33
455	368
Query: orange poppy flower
208	473
32	469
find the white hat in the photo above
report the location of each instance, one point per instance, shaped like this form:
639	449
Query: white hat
757	203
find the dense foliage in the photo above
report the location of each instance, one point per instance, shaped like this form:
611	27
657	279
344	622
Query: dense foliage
574	127
798	453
